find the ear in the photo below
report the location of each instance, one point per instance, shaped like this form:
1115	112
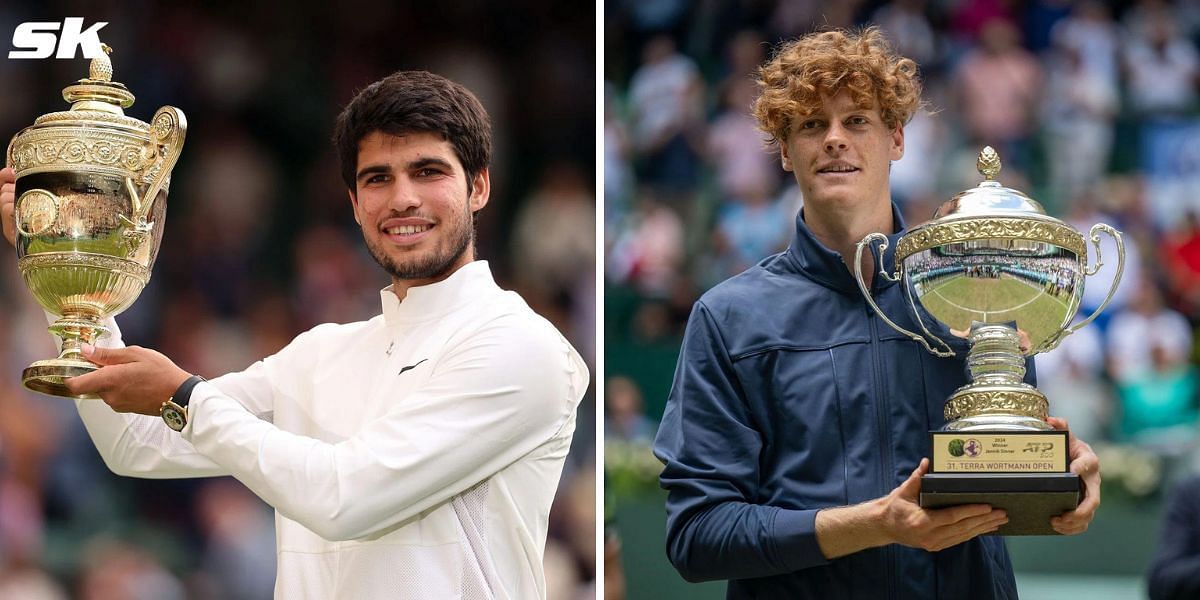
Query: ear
897	150
354	205
481	190
784	159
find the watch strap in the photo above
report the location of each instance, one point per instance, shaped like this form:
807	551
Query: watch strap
183	394
174	411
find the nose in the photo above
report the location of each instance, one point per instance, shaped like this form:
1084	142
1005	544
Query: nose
403	195
835	138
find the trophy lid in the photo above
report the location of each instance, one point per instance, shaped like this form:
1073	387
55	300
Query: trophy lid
95	133
989	211
98	91
990	197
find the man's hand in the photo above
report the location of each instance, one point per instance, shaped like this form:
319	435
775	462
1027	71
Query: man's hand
8	199
130	379
933	529
1086	465
899	519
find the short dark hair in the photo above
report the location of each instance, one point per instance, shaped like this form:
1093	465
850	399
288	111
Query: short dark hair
415	102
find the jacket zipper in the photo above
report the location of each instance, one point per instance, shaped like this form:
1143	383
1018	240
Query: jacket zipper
885	446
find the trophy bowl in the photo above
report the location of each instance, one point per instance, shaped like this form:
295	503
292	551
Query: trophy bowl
994	268
91	202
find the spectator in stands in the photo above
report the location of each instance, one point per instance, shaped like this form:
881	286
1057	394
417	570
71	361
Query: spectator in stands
999	87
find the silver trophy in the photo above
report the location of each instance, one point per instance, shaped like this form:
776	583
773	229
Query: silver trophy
994	268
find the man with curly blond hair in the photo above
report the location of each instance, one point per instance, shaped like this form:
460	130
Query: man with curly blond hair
794	436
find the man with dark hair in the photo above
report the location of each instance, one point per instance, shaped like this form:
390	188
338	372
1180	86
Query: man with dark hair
414	455
794	433
401	103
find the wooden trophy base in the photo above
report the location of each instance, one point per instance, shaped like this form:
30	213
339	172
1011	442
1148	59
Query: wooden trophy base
1022	472
1030	499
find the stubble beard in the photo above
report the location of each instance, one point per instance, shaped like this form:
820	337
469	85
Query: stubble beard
433	264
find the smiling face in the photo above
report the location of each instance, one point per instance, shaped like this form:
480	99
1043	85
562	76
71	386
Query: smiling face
841	154
414	205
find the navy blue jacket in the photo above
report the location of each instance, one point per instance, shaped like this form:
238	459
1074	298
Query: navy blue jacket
1175	570
790	396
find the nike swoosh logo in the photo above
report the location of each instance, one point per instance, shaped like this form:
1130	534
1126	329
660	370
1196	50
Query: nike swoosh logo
412	366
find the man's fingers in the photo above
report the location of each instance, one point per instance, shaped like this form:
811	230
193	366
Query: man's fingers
1088	507
90	383
1083	459
976	528
943	517
6	221
8	192
109	356
945	536
1067	526
1082	515
977	524
8	175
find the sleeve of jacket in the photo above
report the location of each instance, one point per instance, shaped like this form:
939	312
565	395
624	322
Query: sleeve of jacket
136	445
710	446
484	407
1175	570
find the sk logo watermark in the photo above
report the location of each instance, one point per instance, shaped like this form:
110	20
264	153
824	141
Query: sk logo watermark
39	39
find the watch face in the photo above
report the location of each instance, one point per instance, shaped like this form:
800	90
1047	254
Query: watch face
174	417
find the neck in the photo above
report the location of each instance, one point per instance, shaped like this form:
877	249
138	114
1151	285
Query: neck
400	286
841	230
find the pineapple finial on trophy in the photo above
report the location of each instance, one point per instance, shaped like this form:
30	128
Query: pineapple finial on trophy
98	91
101	67
988	163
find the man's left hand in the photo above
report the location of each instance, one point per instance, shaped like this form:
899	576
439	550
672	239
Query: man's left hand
132	379
1086	465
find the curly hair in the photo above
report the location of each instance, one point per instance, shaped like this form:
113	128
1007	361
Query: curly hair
863	62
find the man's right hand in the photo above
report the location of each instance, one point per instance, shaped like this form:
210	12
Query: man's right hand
899	519
933	529
8	198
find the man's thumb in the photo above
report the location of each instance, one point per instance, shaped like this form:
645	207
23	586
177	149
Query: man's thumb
911	488
105	356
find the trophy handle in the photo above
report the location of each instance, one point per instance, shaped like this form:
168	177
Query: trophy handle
1094	237
862	286
167	131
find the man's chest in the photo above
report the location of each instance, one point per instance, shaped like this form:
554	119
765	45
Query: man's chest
351	385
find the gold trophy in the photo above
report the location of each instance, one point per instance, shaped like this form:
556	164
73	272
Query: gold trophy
91	201
993	267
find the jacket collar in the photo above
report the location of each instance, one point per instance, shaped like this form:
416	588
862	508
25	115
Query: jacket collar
470	282
826	267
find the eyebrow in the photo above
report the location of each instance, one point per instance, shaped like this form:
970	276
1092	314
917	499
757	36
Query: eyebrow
386	169
369	170
430	161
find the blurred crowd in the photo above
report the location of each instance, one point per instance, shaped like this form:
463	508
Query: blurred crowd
1092	106
260	245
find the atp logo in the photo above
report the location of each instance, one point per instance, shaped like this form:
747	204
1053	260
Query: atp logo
38	39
